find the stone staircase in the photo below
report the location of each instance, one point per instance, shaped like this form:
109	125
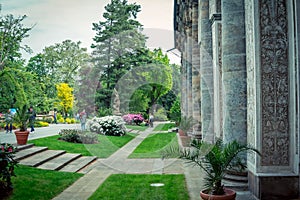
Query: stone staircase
59	160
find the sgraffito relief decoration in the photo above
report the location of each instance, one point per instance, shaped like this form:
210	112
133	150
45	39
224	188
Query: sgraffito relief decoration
274	83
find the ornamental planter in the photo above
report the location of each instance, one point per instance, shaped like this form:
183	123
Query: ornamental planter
181	132
22	137
229	195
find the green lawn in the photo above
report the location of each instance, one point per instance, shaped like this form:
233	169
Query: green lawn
164	127
107	145
32	183
153	144
137	187
135	127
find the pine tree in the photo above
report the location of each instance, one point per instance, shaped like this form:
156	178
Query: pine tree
117	39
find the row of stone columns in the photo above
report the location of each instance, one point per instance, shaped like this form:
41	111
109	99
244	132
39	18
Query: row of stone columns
247	53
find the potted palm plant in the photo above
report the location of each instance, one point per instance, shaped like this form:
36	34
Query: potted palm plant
215	160
186	124
21	118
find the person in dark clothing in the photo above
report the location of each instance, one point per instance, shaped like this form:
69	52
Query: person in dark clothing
31	119
8	121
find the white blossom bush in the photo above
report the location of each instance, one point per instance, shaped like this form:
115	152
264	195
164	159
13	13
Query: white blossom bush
108	125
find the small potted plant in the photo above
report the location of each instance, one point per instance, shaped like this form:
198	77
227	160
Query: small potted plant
21	118
7	164
215	160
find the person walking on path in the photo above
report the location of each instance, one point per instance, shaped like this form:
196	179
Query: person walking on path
82	117
8	121
32	119
55	116
151	119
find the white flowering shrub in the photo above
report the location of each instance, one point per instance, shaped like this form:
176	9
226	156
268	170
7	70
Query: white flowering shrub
108	125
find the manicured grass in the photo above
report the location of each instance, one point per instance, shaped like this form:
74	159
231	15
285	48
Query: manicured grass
164	127
107	145
128	186
139	128
153	144
32	183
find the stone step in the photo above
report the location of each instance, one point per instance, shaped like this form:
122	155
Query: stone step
42	157
236	178
78	164
238	186
59	162
29	152
22	147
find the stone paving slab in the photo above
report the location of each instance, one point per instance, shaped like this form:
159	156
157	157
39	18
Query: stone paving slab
85	186
42	157
29	152
78	164
59	161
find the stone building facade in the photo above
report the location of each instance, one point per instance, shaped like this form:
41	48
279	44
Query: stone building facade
240	80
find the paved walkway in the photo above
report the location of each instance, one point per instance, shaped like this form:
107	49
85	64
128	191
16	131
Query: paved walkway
119	163
52	129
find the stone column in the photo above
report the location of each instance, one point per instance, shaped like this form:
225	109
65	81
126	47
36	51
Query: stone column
272	98
206	67
234	71
215	18
184	102
196	72
189	48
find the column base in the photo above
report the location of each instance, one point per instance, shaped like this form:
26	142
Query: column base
274	187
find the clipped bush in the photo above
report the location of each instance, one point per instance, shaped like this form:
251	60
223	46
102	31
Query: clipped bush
109	125
70	120
70	135
61	120
78	136
133	119
41	124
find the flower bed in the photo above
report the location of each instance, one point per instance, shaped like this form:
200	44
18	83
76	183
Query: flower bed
109	125
133	119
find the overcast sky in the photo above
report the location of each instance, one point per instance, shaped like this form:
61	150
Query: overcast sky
57	20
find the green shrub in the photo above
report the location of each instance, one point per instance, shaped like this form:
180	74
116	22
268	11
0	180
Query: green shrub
7	165
78	136
161	115
41	124
70	135
70	120
109	125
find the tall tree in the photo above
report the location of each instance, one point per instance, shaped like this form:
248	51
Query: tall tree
11	92
12	33
58	63
118	36
152	78
65	97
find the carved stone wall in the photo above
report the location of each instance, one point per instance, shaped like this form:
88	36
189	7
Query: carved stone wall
274	83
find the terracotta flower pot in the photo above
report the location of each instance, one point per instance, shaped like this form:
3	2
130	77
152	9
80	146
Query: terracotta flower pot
22	137
229	195
181	132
